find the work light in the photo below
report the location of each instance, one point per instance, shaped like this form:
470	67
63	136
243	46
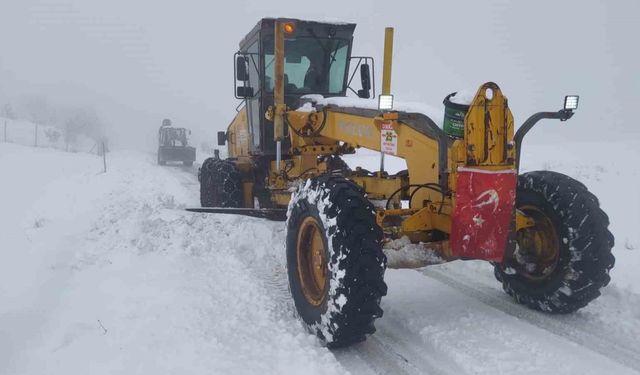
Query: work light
571	102
385	102
289	27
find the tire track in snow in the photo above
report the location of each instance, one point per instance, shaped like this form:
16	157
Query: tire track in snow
370	357
188	176
420	356
581	335
393	349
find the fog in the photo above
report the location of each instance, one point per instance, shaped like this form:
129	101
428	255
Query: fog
137	62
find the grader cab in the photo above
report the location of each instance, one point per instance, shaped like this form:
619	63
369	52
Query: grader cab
173	145
461	197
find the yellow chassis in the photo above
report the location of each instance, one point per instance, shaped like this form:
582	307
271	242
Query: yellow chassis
431	157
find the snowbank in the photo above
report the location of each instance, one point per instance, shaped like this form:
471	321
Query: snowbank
106	273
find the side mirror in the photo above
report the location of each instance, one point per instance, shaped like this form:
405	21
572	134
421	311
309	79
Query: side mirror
242	71
222	138
244	92
365	80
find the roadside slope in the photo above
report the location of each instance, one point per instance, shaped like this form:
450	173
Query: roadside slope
118	278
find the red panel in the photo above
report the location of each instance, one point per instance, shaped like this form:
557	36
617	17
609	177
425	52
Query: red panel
483	213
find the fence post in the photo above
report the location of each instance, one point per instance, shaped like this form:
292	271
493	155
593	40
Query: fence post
104	157
36	137
5	130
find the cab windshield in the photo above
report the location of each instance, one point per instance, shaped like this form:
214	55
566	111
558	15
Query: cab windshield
312	65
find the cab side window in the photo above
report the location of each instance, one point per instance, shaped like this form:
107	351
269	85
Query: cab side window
253	104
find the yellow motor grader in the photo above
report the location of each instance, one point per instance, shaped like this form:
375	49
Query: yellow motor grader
461	197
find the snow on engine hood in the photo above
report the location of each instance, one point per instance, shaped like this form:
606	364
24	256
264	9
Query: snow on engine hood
313	100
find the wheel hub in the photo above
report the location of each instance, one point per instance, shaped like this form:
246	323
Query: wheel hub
538	247
312	261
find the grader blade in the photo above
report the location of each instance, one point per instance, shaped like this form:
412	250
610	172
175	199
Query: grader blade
274	214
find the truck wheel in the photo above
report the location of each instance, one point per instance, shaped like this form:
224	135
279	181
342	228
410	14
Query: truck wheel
336	165
335	261
220	184
560	263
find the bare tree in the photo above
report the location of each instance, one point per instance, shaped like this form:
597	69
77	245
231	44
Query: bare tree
52	135
81	121
37	107
8	112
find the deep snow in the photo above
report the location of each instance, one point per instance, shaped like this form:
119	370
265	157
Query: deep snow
109	275
106	273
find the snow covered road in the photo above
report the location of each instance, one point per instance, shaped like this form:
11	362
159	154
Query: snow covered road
106	273
137	285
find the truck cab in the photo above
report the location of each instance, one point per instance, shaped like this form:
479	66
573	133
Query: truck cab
317	61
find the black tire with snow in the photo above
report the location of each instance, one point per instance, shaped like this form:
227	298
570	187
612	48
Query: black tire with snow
220	184
356	263
337	166
585	243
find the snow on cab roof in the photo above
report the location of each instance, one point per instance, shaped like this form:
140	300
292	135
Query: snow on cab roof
327	21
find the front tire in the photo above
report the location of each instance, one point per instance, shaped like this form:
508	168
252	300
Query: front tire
336	165
335	262
562	262
220	184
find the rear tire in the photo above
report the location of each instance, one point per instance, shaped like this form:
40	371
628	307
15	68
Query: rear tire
220	184
335	261
558	267
336	165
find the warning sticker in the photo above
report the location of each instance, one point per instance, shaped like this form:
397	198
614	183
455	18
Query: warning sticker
388	139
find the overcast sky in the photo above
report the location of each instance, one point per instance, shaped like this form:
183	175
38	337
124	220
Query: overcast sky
140	61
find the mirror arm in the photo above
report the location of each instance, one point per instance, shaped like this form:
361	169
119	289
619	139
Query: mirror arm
355	70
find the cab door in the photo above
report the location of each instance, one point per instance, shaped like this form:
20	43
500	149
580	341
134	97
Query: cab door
248	88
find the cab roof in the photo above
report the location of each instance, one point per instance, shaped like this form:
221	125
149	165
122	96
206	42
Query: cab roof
265	26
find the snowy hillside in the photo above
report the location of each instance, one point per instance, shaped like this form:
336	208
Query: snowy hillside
106	273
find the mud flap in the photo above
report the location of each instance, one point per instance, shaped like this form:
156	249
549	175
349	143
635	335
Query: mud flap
483	213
